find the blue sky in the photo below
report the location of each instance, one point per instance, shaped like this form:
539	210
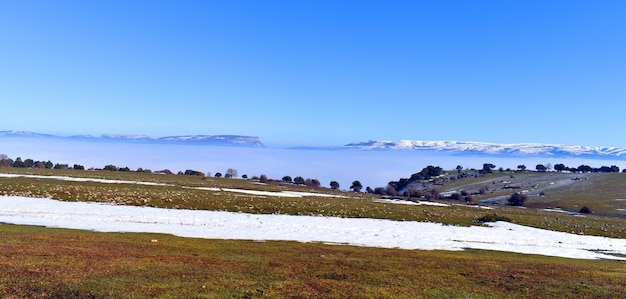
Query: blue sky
318	72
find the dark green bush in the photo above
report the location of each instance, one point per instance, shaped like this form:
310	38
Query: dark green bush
517	199
493	218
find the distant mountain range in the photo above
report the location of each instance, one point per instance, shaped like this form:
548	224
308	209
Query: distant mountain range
454	147
492	148
219	140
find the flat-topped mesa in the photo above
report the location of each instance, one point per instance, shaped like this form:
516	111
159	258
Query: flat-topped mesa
249	141
219	140
490	148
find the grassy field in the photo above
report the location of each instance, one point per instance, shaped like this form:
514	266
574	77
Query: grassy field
43	263
57	263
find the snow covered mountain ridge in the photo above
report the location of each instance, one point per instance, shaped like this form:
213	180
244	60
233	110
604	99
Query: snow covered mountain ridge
221	140
490	148
461	147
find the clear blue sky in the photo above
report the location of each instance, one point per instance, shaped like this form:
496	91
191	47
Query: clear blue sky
318	72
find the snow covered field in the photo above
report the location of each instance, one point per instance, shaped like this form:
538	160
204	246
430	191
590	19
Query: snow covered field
105	181
73	179
500	236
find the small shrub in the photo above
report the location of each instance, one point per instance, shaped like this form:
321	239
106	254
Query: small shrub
456	196
194	172
165	171
109	167
517	199
493	218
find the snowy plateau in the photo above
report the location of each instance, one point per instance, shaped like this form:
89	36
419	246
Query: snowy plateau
216	140
492	148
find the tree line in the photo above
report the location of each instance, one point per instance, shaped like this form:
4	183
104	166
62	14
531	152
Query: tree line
427	173
5	161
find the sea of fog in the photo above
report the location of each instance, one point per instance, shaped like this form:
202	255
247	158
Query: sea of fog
371	168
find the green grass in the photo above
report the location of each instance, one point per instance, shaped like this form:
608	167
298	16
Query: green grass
600	191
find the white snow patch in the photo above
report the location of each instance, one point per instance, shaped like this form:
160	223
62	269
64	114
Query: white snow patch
302	194
408	202
205	188
501	236
74	179
557	210
245	191
476	206
268	193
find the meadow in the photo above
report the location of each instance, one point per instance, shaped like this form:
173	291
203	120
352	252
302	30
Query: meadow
61	263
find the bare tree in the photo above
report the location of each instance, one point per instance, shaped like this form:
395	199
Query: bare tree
231	173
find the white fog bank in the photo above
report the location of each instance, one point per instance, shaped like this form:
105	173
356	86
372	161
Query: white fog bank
501	236
372	168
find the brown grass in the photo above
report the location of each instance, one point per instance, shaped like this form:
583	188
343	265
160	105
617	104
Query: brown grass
57	263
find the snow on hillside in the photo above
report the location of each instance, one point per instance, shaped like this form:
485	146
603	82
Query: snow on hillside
22	134
232	139
228	140
125	136
491	148
500	236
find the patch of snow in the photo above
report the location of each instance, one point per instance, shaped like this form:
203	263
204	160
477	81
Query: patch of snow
303	194
501	236
262	193
408	202
476	206
269	193
557	210
251	192
73	179
205	188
